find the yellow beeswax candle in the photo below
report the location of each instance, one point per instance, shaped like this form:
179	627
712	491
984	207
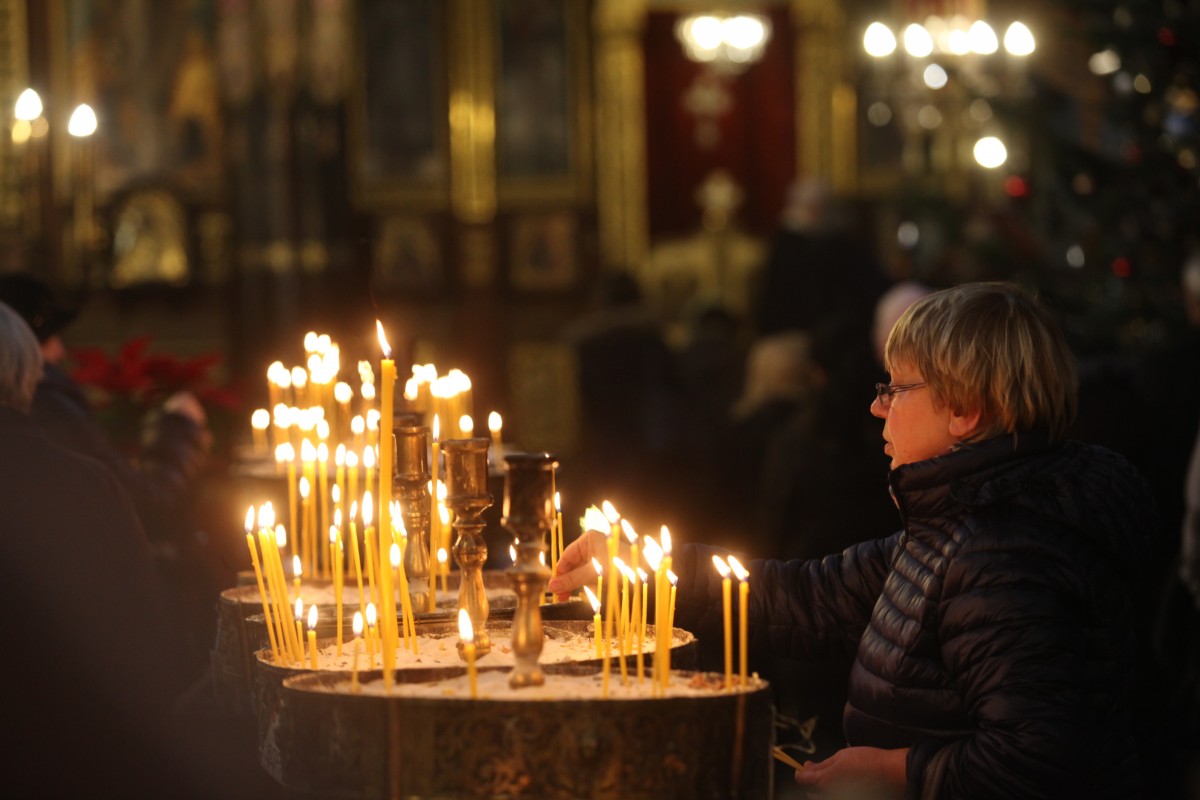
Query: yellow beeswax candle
595	603
743	576
467	633
431	601
727	607
262	592
323	492
358	632
312	634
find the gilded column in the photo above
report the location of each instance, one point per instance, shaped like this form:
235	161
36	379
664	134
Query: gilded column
14	77
621	134
825	102
473	110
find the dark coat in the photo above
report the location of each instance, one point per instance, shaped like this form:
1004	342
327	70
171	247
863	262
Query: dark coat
91	667
157	480
994	634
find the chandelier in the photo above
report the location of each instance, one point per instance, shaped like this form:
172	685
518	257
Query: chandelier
727	42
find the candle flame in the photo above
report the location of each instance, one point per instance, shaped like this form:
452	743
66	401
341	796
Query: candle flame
721	566
250	519
642	574
741	572
442	555
626	571
312	617
466	631
310	341
394	555
372	615
260	420
304	488
672	577
443	512
368	457
322	450
339	456
512	553
630	533
299	377
437	427
342	392
596	565
307	451
652	552
333	534
335	494
299	608
495	422
558	502
368	508
542	557
357	625
610	512
594	520
354	509
297	568
619	563
466	424
666	540
281	413
591	597
285	452
383	342
358	425
280	536
351	459
266	515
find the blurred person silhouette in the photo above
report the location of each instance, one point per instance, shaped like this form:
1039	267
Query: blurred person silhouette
627	390
161	479
175	440
820	269
94	663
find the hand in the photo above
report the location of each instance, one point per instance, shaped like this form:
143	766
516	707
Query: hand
884	769
574	568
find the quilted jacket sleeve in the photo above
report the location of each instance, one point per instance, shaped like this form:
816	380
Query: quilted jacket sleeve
799	609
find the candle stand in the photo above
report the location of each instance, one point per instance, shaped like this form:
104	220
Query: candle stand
412	478
529	515
467	497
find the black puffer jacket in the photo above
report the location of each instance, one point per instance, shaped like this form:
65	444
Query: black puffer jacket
994	635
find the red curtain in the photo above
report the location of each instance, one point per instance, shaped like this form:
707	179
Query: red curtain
756	130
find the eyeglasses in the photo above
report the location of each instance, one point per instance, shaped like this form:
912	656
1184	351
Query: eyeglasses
885	391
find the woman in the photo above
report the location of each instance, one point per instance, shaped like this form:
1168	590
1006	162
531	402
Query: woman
993	634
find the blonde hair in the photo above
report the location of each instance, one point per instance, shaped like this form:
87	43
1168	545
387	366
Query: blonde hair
20	361
990	347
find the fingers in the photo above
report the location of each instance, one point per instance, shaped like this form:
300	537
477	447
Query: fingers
565	583
574	568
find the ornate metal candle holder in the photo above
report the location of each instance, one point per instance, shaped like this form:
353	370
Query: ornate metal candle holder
412	476
467	496
529	515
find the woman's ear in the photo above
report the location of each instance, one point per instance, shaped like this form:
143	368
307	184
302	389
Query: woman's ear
963	425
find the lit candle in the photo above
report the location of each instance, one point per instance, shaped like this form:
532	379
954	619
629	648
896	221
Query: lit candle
358	426
297	573
467	633
273	387
339	462
632	537
557	535
596	565
674	580
262	591
372	617
653	555
335	562
358	630
641	623
624	618
323	489
272	545
368	514
308	529
431	602
299	381
727	606
512	553
362	597
443	561
312	634
667	632
743	576
387	372
260	420
300	627
280	418
495	426
352	474
595	602
466	425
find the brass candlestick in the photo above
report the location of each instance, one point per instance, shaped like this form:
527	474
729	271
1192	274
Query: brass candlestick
467	497
412	476
528	514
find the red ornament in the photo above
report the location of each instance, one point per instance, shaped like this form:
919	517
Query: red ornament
1121	267
1016	186
1166	37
